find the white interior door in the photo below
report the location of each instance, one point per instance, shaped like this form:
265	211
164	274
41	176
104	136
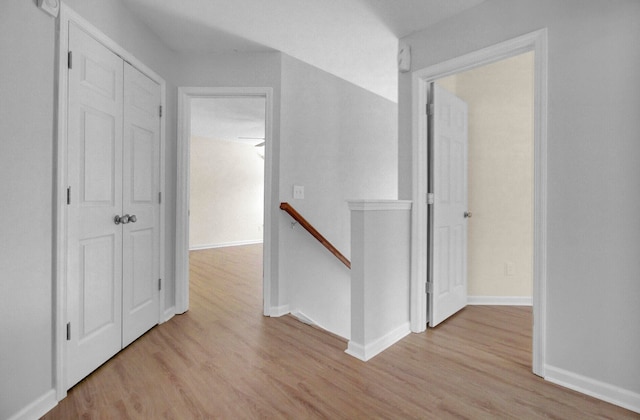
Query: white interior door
141	185
448	221
113	155
94	171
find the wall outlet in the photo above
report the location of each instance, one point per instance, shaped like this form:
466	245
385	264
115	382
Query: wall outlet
298	192
509	269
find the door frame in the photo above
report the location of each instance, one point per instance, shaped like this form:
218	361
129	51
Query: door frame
185	94
536	42
68	15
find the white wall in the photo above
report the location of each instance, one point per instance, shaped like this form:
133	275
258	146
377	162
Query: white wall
339	142
593	292
26	159
227	190
500	99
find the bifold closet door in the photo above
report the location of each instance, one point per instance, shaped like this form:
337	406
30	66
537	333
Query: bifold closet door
141	186
94	173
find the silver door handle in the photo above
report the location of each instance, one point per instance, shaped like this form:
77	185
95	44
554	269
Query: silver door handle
467	214
121	219
133	218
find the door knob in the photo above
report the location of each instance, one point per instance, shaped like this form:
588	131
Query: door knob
121	219
467	214
133	218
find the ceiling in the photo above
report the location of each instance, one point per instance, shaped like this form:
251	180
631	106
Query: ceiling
353	39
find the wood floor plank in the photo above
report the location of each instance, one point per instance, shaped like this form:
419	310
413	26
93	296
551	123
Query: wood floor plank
223	359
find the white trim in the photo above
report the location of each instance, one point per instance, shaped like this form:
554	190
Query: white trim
225	244
500	300
277	311
168	314
537	42
368	351
597	389
379	205
38	407
67	15
182	193
306	320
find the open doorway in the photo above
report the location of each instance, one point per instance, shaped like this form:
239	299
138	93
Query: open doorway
232	206
535	42
494	226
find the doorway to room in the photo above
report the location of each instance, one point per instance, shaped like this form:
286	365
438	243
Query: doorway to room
227	143
481	222
224	177
535	42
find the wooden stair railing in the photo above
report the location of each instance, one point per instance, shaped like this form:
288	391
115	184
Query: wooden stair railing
305	224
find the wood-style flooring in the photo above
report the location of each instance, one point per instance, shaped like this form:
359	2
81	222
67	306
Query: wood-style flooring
223	359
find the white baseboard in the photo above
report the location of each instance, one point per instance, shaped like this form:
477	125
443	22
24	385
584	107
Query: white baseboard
500	300
168	314
304	319
597	389
276	311
368	351
225	244
37	408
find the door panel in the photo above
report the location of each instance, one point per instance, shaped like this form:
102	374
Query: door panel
94	173
141	242
449	226
98	133
97	291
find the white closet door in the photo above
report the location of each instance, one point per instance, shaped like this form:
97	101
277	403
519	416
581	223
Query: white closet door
141	178
94	171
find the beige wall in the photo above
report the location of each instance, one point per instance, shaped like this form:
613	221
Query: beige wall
227	192
500	99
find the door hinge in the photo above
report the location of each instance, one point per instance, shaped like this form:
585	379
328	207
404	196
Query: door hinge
159	284
68	331
430	198
160	111
160	197
68	195
430	108
428	287
70	59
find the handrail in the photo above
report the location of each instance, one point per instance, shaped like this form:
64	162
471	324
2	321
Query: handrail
305	224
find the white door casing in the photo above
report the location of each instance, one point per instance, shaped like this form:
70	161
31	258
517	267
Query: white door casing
94	173
140	200
449	222
537	42
270	234
63	220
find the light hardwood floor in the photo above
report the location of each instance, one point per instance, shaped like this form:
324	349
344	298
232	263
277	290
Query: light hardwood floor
223	359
